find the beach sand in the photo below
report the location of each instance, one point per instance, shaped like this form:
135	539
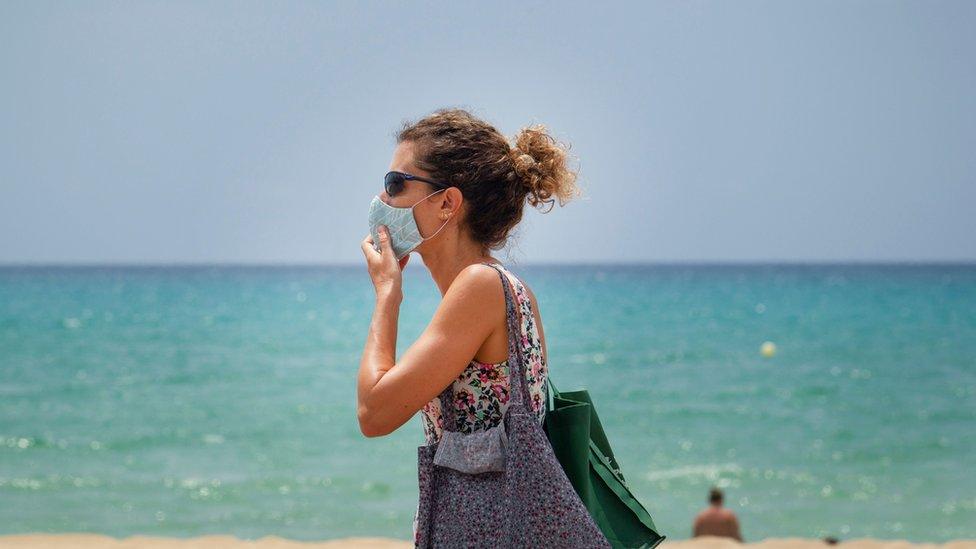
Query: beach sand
83	541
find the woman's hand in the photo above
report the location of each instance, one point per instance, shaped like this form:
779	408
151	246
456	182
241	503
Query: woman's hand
383	267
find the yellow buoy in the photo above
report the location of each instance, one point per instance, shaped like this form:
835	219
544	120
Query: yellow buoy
767	349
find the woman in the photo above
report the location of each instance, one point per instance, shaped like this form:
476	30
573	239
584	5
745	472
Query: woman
460	188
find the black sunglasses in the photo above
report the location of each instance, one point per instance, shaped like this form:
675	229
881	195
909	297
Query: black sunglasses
394	182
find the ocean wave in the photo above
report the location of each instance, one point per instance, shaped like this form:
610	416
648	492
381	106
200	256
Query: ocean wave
709	471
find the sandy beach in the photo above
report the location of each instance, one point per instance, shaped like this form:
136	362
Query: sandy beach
65	541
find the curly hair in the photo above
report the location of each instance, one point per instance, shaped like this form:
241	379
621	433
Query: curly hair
495	177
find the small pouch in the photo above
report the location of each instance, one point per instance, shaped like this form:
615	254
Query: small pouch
473	453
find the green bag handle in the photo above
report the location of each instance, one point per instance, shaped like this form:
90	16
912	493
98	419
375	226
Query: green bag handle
552	394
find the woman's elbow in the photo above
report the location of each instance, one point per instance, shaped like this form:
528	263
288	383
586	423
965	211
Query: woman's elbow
368	426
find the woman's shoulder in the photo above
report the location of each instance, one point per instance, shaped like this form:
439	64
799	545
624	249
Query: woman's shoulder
505	270
483	280
476	289
482	276
477	275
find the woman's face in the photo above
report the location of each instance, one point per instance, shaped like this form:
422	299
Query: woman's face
430	214
413	190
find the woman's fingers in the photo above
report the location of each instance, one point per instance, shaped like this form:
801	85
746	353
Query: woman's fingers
384	238
385	254
366	245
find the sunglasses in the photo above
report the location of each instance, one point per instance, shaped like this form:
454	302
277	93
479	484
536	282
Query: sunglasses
394	182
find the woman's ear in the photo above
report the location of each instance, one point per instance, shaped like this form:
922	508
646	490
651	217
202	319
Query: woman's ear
452	202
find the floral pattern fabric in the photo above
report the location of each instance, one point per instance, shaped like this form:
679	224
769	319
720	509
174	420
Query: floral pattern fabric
481	391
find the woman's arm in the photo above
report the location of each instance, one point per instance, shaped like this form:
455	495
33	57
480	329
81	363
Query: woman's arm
380	352
391	392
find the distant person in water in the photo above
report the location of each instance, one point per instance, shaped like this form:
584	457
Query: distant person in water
716	520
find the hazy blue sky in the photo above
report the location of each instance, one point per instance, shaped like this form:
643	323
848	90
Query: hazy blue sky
706	131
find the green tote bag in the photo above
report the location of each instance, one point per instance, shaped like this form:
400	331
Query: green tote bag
582	448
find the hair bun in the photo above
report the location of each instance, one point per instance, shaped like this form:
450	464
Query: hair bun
540	164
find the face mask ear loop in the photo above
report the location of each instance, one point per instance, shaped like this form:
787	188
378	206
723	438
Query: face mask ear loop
442	225
426	197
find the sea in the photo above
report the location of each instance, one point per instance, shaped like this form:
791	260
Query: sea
190	400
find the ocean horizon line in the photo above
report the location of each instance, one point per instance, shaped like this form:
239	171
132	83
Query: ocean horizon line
189	265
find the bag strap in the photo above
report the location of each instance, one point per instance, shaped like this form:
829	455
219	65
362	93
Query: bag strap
553	393
518	391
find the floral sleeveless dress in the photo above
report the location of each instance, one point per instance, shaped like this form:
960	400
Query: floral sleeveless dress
481	391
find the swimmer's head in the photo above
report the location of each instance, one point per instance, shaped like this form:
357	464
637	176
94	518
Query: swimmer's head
715	495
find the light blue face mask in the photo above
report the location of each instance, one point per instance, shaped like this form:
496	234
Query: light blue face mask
401	224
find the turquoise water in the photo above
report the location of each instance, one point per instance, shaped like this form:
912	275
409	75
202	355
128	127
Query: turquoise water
188	401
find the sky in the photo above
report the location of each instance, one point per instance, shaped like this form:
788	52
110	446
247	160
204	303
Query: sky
258	132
